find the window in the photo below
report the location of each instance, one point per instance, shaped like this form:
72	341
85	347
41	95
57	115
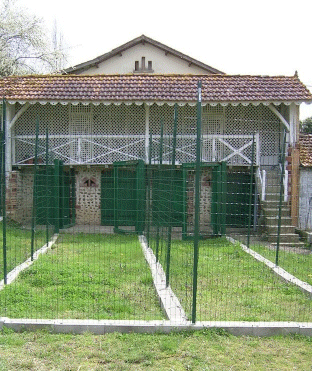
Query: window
143	68
89	182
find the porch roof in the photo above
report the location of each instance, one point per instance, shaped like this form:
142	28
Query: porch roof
133	88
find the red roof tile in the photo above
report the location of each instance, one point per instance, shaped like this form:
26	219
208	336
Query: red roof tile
305	149
174	88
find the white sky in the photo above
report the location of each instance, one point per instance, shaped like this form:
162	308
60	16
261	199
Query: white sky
267	37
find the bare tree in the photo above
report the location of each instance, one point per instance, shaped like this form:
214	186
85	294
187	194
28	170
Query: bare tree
58	45
24	46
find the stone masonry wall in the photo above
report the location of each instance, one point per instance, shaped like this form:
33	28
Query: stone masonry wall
205	200
88	196
20	196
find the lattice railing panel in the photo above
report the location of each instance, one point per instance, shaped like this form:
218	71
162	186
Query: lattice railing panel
103	134
256	119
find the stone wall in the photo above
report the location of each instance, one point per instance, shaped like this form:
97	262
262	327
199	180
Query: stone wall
205	200
19	197
88	196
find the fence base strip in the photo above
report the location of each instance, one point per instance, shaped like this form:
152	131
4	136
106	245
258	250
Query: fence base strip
11	276
169	302
100	327
303	286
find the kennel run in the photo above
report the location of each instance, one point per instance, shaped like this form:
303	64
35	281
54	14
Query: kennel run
188	170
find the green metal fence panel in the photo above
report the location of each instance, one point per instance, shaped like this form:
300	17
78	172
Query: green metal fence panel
237	199
43	197
129	195
107	197
163	198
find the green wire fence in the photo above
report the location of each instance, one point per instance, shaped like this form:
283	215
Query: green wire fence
103	241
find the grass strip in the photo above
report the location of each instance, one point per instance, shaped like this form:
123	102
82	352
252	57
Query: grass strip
85	277
204	350
19	244
297	262
233	286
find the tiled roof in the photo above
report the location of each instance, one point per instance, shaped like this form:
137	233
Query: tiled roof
149	88
305	149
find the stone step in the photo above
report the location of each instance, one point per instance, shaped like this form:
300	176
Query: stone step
289	245
273	197
274	188
273	180
273	221
285	229
272	204
289	238
273	212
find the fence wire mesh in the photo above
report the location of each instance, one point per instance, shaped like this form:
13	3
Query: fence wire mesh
72	214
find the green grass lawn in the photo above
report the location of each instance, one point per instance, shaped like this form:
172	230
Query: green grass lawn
85	276
193	351
233	286
297	263
106	277
18	244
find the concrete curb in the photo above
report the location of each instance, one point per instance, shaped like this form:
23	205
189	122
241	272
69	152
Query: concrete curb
168	300
100	327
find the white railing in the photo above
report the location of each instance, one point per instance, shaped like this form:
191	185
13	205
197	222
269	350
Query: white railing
261	174
286	185
105	149
233	149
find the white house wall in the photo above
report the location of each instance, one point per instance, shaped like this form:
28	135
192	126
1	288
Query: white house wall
305	199
161	63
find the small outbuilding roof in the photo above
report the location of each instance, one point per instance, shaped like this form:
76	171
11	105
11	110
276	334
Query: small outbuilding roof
132	88
305	143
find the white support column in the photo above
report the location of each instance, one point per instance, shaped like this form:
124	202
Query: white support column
8	139
147	132
257	138
294	124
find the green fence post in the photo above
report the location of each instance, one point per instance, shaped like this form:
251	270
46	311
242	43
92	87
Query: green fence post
149	182
48	203
3	192
184	200
251	189
56	194
197	202
158	194
141	196
223	197
280	199
62	195
33	219
216	207
115	175
174	143
73	196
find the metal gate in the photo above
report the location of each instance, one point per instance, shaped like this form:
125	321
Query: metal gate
123	196
55	196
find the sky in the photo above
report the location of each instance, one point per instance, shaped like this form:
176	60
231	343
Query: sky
267	37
